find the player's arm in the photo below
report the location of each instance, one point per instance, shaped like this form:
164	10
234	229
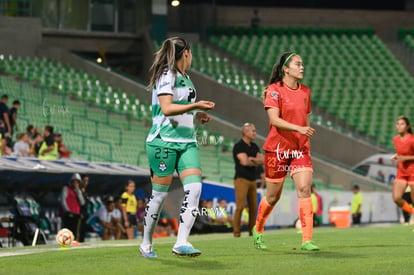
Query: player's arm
124	212
275	119
258	160
169	108
405	158
48	149
245	160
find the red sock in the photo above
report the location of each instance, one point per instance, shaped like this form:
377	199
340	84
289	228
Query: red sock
306	218
407	208
262	214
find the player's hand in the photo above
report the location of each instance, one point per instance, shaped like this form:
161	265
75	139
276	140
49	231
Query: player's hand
202	117
402	158
306	131
205	105
394	158
126	224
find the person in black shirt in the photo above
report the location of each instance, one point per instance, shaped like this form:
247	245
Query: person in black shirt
13	116
48	149
4	113
247	156
3	143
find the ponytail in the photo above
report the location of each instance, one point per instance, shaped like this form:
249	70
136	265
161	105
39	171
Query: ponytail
278	71
171	50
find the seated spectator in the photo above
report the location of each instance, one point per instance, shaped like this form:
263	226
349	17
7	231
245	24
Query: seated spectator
117	214
245	219
222	221
103	221
202	223
140	215
3	140
163	229
35	146
64	152
21	147
49	149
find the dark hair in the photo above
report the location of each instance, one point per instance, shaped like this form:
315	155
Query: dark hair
4	96
16	102
128	182
407	121
277	72
171	50
29	127
356	187
49	129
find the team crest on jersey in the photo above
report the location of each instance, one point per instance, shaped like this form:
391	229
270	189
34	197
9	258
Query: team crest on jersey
275	95
162	166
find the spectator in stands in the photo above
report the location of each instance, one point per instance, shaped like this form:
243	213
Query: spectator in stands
202	223
140	215
13	116
3	134
129	209
49	148
21	147
84	208
118	216
103	221
247	157
36	144
64	152
163	229
30	130
4	114
72	200
222	221
223	215
255	20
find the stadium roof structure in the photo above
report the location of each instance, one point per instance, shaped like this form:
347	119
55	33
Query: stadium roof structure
32	174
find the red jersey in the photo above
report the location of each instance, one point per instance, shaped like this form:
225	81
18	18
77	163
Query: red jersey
405	147
294	107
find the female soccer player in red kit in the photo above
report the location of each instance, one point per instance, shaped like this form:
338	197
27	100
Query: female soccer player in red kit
287	149
404	147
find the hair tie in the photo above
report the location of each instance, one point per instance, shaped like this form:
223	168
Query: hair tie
287	59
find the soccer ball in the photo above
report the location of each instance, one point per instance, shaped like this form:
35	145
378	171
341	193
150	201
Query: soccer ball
65	237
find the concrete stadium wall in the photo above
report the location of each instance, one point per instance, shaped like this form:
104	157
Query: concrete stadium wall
20	36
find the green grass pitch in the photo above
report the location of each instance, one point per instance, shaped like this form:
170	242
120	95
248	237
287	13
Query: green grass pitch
363	250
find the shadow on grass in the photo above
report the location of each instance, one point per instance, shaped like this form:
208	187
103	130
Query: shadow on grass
191	263
325	254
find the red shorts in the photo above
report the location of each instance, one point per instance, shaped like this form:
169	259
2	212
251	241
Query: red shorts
405	179
276	167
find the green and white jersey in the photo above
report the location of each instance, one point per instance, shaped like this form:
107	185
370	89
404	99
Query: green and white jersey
177	128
